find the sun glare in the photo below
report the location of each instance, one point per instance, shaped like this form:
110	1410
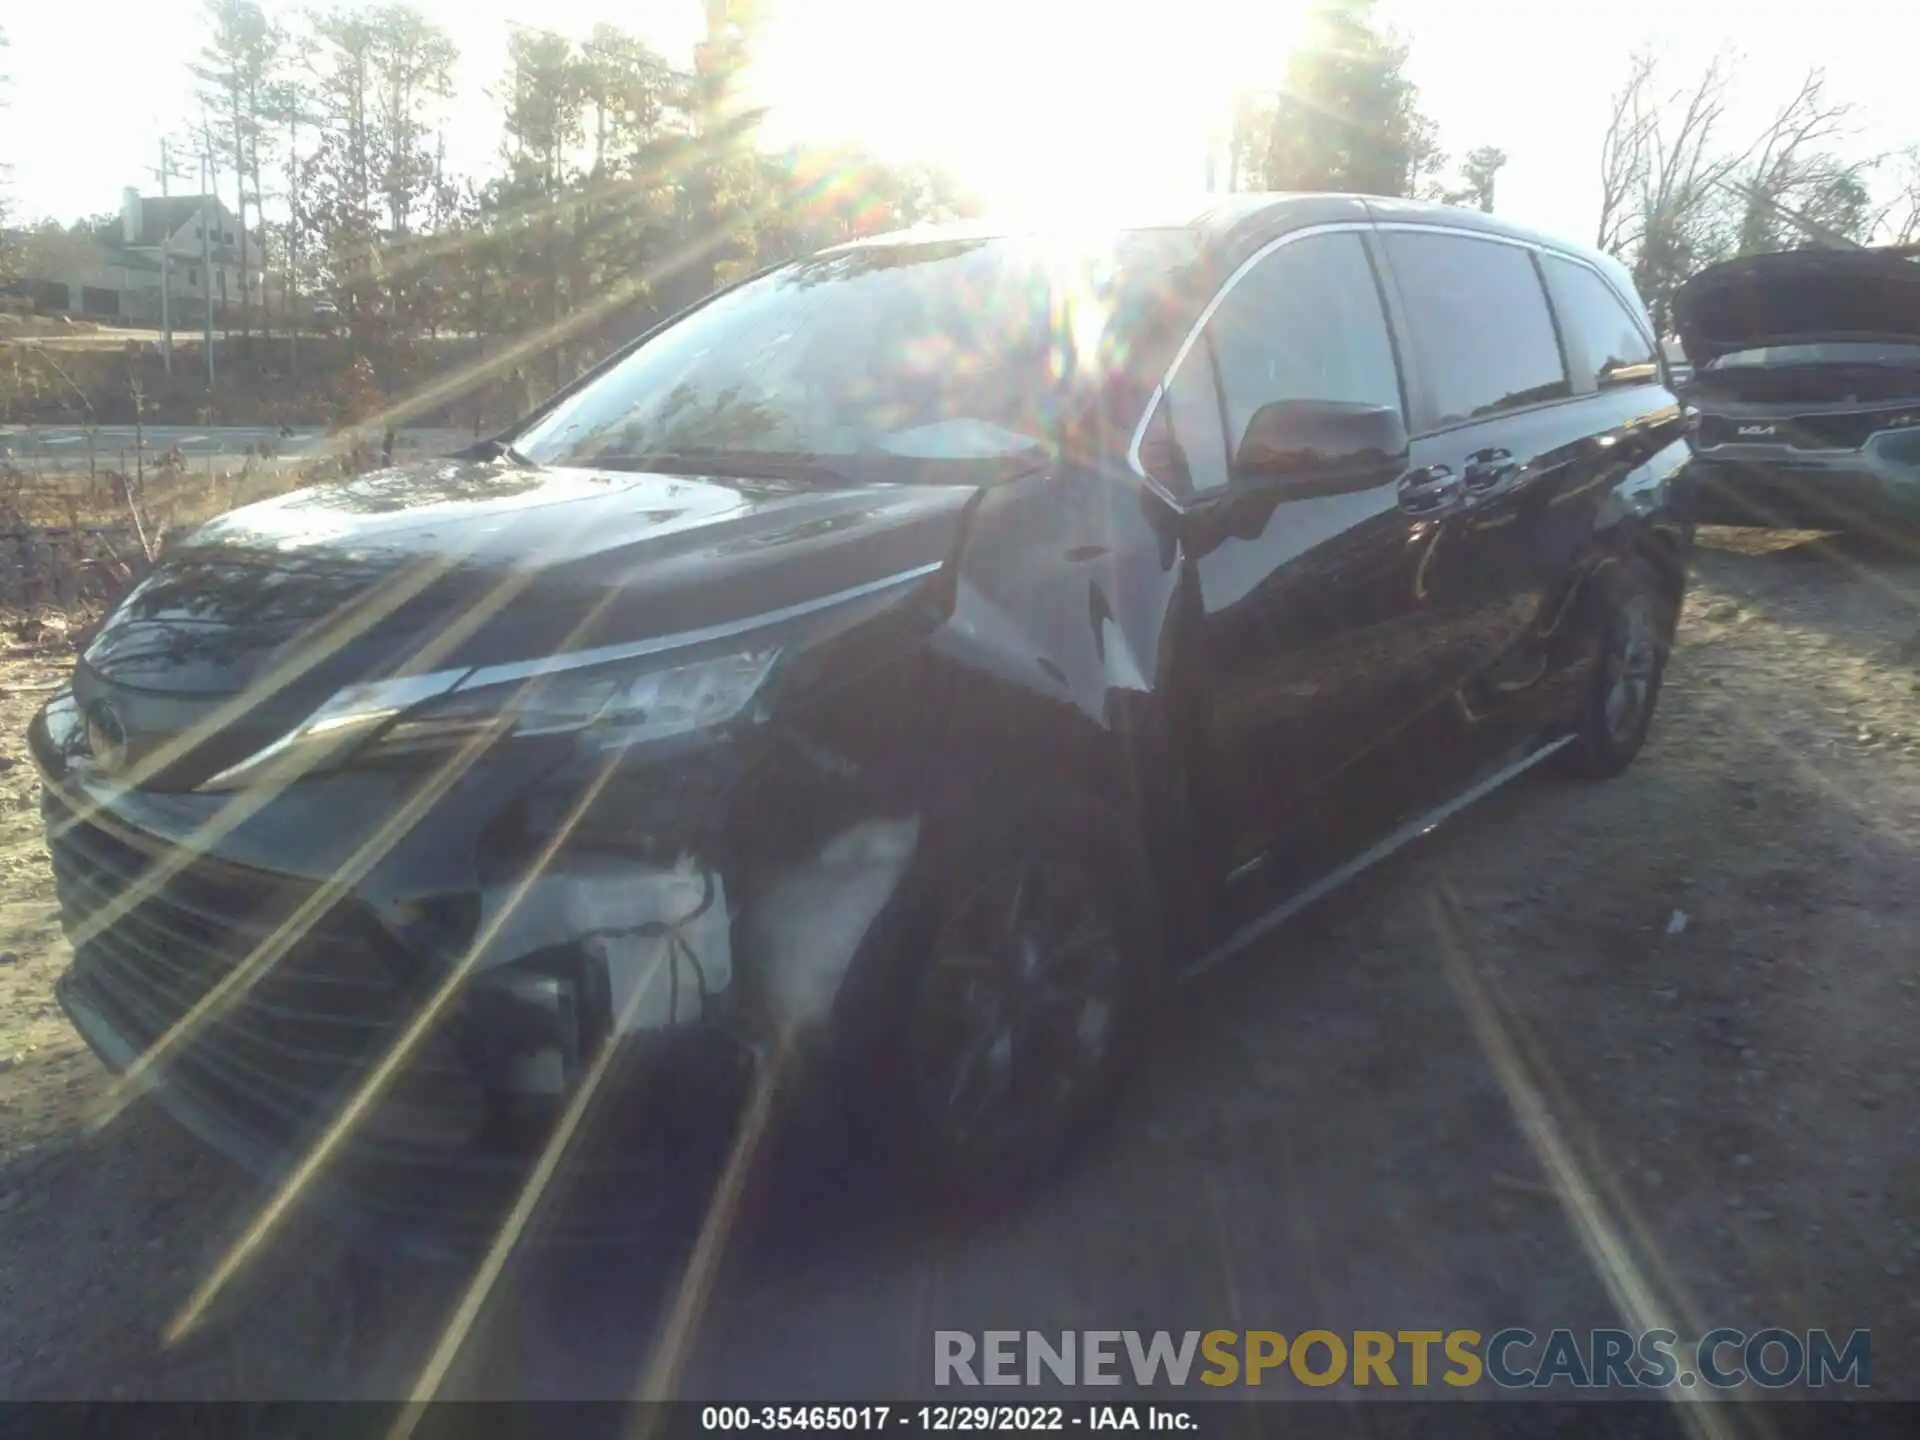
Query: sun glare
1048	106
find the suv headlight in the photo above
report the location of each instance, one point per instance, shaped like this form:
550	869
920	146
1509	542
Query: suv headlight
609	705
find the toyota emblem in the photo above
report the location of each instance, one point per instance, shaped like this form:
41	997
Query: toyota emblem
106	738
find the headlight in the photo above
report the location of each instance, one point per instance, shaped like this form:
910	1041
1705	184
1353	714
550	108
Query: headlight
615	708
610	705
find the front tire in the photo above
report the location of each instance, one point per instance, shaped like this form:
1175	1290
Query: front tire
1636	622
1025	999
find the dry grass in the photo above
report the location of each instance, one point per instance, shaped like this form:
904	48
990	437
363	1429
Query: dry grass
75	532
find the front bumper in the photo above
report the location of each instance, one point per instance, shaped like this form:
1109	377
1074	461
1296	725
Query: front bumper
428	1205
315	982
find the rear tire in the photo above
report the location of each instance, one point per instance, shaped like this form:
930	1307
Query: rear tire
1635	626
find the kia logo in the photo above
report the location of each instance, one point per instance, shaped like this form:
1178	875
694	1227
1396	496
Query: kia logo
1756	430
106	738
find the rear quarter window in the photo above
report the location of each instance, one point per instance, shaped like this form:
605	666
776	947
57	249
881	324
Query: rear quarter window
1479	326
1604	340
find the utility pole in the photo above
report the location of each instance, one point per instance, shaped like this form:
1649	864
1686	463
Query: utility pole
292	295
206	253
166	250
164	174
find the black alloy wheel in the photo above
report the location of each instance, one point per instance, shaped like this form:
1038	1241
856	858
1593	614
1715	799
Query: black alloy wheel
1636	628
1629	665
1021	1015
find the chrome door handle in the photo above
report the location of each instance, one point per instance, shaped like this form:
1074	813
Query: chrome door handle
1430	490
1488	468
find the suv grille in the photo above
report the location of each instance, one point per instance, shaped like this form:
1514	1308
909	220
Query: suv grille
276	1065
1846	430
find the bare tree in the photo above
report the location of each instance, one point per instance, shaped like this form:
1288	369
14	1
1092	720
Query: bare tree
235	72
413	60
1679	181
292	108
1673	197
1898	221
1792	165
1623	159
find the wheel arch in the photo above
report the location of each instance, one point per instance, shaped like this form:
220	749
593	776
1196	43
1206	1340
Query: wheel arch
956	820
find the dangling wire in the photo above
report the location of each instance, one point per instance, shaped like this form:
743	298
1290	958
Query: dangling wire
674	933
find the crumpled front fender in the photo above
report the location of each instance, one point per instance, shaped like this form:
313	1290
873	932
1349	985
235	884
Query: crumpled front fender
807	922
680	946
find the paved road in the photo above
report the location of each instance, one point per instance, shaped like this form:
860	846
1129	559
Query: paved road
109	337
103	338
196	441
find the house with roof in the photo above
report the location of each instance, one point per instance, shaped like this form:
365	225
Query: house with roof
114	273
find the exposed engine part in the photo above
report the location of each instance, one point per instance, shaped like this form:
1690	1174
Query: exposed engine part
661	935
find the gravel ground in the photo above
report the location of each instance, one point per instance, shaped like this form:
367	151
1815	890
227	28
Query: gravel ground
1494	1082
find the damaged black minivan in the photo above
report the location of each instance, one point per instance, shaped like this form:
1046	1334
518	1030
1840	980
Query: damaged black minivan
875	683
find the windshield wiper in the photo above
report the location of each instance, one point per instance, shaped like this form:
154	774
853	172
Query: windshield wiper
739	464
501	450
1027	462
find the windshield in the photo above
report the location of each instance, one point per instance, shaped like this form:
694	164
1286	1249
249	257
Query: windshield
1833	353
944	351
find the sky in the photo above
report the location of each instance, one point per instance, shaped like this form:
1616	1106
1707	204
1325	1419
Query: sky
1028	100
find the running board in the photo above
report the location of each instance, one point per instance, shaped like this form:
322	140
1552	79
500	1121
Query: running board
1366	860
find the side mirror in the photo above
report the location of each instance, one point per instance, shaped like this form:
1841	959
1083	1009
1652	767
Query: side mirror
1330	444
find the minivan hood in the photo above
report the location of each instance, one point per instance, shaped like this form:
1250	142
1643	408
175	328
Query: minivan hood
1797	297
483	563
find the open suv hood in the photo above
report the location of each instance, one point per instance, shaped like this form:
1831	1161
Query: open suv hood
1797	297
